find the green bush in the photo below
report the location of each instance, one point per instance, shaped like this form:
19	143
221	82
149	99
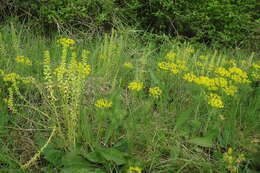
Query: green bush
229	22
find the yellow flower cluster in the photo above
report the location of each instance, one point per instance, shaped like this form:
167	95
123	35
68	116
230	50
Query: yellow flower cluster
214	84
135	86
128	65
103	103
66	42
214	100
134	170
232	162
12	77
23	60
175	68
234	73
170	55
155	92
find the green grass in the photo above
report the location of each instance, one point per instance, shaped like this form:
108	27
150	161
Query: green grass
175	132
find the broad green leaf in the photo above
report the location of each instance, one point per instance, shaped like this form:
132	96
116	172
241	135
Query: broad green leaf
111	154
73	160
95	157
202	141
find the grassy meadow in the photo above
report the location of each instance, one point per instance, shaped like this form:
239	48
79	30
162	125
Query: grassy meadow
119	103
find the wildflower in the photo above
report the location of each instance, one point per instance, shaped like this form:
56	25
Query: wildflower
169	66
12	77
134	170
214	100
128	65
136	86
222	72
230	90
66	42
190	77
170	55
102	103
23	60
206	81
155	91
220	82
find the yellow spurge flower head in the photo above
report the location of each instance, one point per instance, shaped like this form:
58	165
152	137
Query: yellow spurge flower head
169	66
221	71
214	100
207	82
136	86
66	42
128	65
12	77
103	103
230	90
155	91
190	77
220	82
170	55
134	170
23	60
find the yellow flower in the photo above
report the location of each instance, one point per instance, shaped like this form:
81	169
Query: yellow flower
135	86
190	77
206	81
128	65
170	55
134	170
222	72
214	100
102	103
230	90
155	91
66	42
12	77
169	66
23	60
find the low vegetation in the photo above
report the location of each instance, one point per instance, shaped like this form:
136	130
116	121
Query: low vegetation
123	104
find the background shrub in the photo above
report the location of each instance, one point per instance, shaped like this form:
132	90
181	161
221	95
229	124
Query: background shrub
228	22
